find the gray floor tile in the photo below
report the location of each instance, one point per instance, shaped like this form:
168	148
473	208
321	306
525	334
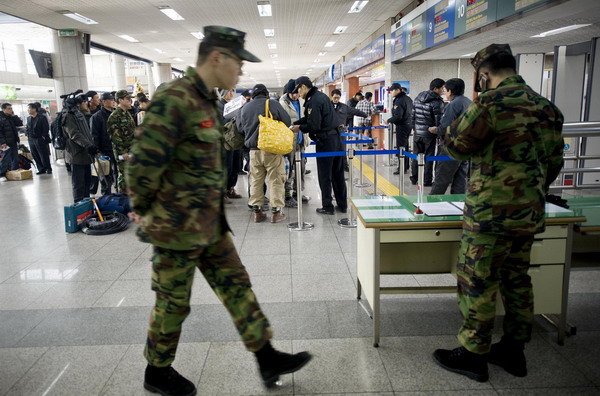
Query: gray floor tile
275	288
209	323
478	392
549	391
128	377
46	271
15	325
231	370
582	350
410	366
127	293
141	269
80	370
8	270
201	291
298	320
340	365
272	264
15	362
585	281
104	270
125	251
264	246
546	368
323	287
314	244
21	295
319	263
71	295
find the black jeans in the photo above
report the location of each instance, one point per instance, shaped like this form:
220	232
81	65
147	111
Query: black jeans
233	161
106	181
331	172
449	173
424	145
81	179
402	134
40	150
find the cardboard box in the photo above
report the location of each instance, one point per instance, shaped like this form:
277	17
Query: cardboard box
103	167
20	174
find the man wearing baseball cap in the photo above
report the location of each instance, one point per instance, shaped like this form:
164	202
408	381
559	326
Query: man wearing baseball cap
176	176
103	142
401	119
121	128
512	135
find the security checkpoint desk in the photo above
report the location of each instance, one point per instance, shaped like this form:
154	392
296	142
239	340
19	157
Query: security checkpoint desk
391	239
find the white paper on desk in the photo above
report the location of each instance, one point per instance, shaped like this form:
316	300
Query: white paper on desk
380	201
551	208
439	209
371	214
460	205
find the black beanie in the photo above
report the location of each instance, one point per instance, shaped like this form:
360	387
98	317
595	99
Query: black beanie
289	87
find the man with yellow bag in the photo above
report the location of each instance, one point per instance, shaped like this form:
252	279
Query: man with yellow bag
263	165
321	123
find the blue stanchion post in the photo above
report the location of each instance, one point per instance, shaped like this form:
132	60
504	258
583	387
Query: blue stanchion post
300	225
401	170
421	177
350	221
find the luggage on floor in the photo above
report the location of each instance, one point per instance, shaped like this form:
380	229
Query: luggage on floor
76	213
114	203
19	174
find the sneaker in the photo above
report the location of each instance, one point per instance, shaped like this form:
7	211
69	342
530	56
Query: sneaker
290	202
413	181
3	179
226	200
305	198
273	363
509	355
259	216
49	171
325	211
307	172
166	381
41	172
231	193
463	362
277	217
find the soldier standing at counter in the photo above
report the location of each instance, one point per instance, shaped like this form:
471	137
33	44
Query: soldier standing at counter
121	128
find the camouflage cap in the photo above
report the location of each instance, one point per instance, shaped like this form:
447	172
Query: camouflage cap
226	37
489	51
122	94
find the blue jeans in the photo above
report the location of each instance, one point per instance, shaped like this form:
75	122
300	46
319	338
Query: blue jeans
10	160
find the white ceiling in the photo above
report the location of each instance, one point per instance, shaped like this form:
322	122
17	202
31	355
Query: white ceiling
302	27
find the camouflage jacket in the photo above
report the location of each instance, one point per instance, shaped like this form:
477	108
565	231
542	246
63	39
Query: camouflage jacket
121	129
513	137
176	174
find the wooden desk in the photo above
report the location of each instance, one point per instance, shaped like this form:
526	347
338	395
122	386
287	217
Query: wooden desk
419	244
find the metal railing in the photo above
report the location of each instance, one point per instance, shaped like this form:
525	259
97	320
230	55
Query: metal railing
580	131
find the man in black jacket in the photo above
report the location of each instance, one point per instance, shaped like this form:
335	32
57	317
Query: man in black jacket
103	143
427	112
9	139
401	118
344	114
321	123
38	134
352	103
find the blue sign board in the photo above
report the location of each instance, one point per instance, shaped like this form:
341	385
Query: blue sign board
399	43
415	35
369	54
440	22
404	84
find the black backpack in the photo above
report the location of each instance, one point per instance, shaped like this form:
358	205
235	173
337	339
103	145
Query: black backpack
59	140
234	140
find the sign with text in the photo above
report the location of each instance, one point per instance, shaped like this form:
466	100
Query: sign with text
415	35
473	14
440	22
399	43
509	7
369	54
67	33
233	105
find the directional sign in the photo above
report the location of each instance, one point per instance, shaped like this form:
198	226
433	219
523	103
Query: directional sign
473	14
440	22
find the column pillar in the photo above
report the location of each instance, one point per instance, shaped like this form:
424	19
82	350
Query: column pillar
68	66
117	63
162	72
150	79
22	61
351	86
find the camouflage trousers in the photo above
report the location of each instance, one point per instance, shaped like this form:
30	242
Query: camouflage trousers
487	264
121	177
172	277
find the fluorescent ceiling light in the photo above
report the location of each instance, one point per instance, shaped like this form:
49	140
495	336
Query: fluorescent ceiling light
128	38
264	8
274	55
317	60
340	29
330	44
159	50
272	46
561	30
178	59
322	53
171	13
357	6
275	62
269	32
198	35
79	17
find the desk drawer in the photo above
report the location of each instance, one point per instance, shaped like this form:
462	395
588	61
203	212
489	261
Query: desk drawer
548	251
429	235
554	231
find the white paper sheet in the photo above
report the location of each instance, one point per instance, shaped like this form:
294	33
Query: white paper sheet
460	205
380	201
551	208
371	214
439	209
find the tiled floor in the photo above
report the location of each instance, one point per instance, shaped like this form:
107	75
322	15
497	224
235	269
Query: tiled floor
74	310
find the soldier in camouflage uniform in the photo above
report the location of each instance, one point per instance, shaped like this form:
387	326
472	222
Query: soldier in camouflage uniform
176	177
121	129
513	137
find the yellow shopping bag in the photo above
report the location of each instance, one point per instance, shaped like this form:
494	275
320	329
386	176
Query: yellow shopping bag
274	136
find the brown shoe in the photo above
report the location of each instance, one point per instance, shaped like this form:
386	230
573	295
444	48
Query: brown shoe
259	217
276	217
226	200
231	193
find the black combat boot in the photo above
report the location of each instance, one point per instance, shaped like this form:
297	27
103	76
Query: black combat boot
273	363
167	382
509	355
463	362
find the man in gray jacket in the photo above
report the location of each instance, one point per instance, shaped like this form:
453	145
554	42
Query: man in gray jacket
452	173
262	164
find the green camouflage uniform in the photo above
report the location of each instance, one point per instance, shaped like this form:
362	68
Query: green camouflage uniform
176	178
121	129
512	135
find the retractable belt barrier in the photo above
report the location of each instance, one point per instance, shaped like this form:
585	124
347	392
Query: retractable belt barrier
370	127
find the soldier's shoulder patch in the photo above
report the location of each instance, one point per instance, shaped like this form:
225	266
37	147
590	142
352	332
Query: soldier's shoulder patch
207	124
395	107
309	111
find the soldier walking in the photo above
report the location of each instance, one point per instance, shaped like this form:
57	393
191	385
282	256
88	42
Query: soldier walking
513	137
121	129
176	177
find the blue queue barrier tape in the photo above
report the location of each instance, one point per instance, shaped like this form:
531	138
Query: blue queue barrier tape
371	127
432	158
325	154
375	152
410	155
354	135
365	141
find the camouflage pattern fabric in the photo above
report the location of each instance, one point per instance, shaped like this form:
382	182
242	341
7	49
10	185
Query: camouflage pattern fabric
488	264
172	278
176	175
121	129
513	137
